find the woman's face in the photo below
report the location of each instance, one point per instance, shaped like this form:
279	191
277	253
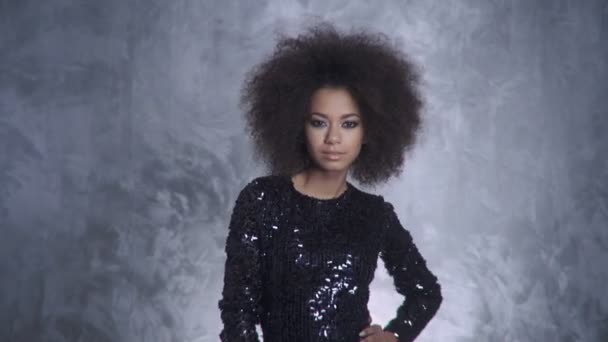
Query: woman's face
334	129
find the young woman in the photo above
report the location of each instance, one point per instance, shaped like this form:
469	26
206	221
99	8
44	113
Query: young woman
303	242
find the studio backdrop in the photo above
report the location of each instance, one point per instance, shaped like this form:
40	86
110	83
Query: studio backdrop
122	151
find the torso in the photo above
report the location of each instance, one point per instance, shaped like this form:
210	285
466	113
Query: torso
321	254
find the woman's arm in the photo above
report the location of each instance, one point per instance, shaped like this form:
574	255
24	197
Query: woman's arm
240	303
411	277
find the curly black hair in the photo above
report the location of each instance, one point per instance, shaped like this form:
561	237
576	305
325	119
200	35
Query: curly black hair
382	79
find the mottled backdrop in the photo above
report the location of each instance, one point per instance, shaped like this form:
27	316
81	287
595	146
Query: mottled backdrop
122	152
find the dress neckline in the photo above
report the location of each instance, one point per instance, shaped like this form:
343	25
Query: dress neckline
345	193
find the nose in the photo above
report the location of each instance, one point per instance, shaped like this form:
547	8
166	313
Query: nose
333	136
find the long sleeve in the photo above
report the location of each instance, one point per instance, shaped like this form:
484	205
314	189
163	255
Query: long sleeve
240	303
411	278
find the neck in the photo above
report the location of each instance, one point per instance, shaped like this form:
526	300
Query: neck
321	183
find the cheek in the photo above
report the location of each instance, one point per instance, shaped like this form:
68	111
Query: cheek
356	138
314	137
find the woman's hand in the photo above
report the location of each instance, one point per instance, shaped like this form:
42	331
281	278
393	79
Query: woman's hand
375	333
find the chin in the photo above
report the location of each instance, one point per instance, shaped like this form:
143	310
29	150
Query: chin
333	166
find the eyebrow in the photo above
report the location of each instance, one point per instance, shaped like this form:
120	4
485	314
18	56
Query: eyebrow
343	116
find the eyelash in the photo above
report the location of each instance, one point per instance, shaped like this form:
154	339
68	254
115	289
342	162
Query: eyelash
355	123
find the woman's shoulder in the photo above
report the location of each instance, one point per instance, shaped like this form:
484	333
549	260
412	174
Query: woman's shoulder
379	203
370	200
262	186
266	182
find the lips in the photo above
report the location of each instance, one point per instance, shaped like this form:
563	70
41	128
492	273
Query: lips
332	155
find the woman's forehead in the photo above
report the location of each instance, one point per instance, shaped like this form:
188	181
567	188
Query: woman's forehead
334	102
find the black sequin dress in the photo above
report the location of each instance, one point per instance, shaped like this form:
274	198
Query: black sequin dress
301	266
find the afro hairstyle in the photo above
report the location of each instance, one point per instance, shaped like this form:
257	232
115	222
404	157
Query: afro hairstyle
276	94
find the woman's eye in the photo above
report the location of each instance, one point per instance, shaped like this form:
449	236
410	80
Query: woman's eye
348	124
316	123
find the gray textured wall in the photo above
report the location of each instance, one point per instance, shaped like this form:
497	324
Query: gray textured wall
122	151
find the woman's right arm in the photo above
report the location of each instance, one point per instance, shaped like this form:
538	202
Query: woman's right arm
240	304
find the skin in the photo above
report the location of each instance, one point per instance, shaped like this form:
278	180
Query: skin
335	124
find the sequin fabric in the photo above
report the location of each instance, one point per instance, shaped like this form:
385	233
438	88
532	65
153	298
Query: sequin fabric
301	266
